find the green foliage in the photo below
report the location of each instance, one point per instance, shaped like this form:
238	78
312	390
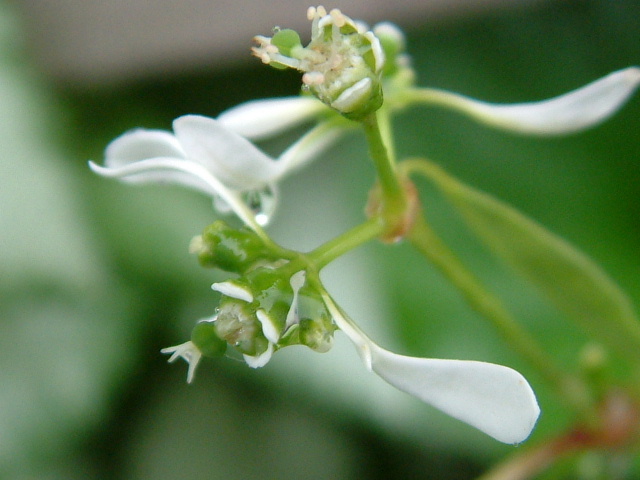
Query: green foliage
576	285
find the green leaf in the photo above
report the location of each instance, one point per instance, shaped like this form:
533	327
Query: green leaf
573	282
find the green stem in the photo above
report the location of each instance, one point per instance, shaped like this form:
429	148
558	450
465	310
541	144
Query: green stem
349	240
425	240
391	188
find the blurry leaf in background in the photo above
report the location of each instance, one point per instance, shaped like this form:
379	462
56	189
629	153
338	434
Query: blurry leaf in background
64	341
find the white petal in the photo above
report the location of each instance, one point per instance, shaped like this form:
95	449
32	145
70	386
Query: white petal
160	170
495	399
296	281
142	144
269	329
376	48
351	98
182	172
574	111
310	145
228	156
261	119
260	360
233	290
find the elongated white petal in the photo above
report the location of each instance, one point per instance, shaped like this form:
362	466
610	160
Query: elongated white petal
141	144
182	172
233	290
296	281
574	111
225	154
259	360
310	145
495	399
158	170
260	119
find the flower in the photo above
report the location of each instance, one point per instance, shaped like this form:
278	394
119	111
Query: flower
574	111
341	66
211	155
495	399
258	328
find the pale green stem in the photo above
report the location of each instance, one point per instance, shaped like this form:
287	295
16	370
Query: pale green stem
425	240
386	132
349	240
392	191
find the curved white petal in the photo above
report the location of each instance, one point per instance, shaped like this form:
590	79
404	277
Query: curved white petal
225	154
310	145
352	97
158	170
260	119
183	172
495	399
574	111
233	290
259	360
376	48
269	329
142	144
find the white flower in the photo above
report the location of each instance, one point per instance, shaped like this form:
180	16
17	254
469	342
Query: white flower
568	113
495	399
243	321
341	65
214	157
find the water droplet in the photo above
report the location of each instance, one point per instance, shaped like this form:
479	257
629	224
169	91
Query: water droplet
262	203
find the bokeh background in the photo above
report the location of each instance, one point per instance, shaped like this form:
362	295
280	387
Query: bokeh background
95	276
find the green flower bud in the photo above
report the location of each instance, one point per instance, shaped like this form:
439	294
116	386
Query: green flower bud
342	64
270	308
205	338
229	249
316	326
239	326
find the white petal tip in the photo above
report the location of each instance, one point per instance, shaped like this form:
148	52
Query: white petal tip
495	399
269	329
259	360
233	290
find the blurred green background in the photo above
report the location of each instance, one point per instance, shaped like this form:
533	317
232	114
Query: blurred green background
96	276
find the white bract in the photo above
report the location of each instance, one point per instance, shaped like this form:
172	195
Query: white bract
214	157
574	111
495	399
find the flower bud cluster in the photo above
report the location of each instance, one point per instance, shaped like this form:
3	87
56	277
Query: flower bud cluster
269	306
342	64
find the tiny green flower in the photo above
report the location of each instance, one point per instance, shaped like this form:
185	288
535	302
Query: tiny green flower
232	250
341	65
